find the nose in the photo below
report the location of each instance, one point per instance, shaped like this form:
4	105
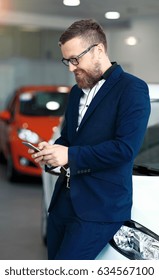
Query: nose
72	67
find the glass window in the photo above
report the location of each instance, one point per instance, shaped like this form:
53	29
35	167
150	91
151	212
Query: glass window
149	153
43	103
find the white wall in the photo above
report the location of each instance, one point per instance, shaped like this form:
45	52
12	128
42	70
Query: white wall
7	81
142	59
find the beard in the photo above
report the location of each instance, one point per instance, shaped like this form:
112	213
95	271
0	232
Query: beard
88	78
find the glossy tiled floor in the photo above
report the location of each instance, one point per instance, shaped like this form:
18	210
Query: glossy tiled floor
20	219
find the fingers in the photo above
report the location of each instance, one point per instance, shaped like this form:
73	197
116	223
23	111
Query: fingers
43	145
45	152
37	157
44	156
55	155
31	151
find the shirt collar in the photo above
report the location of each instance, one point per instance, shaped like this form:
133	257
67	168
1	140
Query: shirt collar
109	71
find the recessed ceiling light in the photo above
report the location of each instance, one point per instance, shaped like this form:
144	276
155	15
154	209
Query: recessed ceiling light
131	41
112	15
71	2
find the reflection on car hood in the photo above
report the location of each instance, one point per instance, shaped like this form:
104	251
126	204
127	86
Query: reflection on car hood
146	201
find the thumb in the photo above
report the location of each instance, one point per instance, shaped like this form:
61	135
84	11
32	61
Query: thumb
43	145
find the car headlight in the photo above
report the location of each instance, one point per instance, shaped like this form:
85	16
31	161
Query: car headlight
28	135
136	242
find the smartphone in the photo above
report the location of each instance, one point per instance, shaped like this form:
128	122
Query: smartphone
31	146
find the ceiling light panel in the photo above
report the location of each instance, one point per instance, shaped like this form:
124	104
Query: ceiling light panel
112	15
71	2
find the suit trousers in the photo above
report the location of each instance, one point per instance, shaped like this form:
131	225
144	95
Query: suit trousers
70	238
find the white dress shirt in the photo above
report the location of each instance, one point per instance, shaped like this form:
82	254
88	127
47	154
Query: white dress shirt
87	98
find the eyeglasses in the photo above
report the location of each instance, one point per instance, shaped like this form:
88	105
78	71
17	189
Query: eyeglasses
74	60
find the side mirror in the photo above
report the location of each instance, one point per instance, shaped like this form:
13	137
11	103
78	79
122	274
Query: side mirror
5	116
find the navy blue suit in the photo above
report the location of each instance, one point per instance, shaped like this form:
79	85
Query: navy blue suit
102	151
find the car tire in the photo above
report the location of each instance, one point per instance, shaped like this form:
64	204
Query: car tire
11	172
44	215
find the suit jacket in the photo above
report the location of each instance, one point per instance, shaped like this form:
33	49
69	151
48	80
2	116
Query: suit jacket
102	151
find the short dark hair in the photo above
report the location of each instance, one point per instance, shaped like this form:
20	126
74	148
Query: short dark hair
88	29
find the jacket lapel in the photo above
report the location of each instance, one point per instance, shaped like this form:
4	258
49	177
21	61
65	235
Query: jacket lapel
75	109
103	91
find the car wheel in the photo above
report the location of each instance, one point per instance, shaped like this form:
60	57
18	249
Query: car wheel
44	215
11	172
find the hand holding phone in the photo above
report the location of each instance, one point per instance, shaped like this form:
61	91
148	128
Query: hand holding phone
31	146
36	149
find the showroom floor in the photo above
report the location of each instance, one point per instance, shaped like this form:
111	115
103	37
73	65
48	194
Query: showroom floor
20	219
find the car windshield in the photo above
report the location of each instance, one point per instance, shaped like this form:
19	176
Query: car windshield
147	160
42	103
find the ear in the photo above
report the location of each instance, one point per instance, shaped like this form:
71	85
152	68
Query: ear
101	50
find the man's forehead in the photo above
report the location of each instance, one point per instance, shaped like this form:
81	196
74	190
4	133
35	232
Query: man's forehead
72	47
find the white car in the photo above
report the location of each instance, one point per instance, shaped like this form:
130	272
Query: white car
137	239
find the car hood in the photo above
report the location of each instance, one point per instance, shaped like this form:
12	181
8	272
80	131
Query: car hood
43	126
145	208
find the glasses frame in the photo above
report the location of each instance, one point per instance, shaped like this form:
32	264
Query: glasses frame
74	60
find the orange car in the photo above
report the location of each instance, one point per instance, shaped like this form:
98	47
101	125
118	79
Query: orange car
32	114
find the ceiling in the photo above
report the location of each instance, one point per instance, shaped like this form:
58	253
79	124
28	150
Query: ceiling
53	14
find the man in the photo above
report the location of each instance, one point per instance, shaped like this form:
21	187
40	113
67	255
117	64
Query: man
104	127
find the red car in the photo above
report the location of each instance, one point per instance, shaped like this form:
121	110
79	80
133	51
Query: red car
32	114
